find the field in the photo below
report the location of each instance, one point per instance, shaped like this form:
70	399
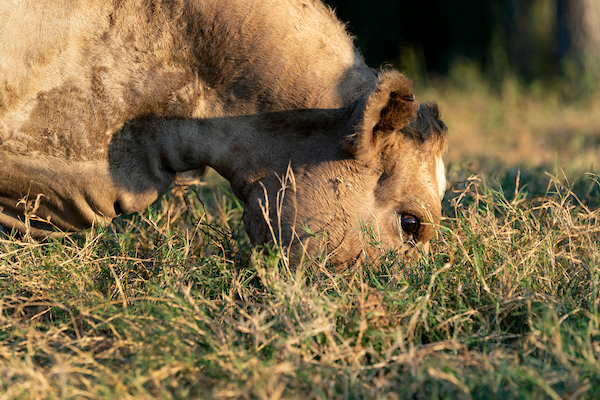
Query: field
175	303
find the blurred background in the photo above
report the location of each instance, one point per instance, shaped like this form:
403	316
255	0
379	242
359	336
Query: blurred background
539	41
517	80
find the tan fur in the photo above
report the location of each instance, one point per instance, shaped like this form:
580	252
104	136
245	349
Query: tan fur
102	103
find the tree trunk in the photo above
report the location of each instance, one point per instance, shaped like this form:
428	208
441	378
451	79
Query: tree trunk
578	34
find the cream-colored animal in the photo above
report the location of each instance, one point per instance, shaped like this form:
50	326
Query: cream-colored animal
103	102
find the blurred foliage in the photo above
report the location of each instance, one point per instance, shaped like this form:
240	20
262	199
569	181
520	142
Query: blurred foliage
515	39
434	30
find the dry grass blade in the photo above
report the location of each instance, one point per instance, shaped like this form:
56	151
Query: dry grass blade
175	303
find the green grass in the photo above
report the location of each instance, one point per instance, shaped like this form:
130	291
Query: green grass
175	303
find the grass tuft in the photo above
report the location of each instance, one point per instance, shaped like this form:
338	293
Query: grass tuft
175	303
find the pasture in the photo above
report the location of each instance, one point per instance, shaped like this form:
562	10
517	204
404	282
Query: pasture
175	303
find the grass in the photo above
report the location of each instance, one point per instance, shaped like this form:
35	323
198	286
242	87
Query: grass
175	303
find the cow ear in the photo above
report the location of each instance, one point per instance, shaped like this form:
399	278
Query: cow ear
390	107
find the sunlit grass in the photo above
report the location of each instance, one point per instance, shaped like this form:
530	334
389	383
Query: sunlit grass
498	125
175	303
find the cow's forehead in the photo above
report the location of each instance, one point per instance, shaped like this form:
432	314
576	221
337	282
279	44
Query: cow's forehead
412	172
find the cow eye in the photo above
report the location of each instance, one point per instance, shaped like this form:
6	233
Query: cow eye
410	224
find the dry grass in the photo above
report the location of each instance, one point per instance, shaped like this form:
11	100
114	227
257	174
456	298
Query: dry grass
513	125
174	302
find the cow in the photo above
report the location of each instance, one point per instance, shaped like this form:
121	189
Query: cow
103	103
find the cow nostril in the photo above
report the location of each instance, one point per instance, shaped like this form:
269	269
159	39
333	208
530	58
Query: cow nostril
410	224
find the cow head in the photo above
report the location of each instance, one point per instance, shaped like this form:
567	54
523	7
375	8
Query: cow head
381	191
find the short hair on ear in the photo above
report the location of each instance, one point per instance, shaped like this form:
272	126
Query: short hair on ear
428	127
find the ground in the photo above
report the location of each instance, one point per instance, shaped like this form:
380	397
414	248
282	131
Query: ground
175	303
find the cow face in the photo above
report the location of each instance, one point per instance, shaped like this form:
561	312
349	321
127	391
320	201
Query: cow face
384	194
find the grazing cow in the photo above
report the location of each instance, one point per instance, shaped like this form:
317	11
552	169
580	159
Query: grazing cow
103	102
